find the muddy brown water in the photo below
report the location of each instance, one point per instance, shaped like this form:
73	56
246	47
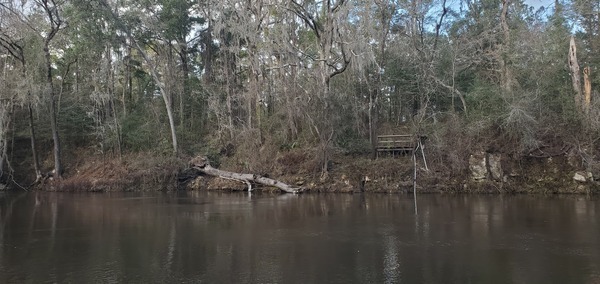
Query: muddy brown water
200	237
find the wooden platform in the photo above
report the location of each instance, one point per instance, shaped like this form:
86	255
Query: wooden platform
396	144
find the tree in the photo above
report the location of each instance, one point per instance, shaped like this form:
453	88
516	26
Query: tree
52	10
16	50
328	26
177	22
15	46
153	67
6	107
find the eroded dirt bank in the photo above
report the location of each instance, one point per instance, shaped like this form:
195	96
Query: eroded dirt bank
487	173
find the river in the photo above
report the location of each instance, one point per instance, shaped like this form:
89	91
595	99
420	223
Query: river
216	237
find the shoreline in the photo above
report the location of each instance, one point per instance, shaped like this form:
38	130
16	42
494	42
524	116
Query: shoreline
348	174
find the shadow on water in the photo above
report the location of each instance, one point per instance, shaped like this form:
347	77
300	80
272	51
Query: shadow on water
361	238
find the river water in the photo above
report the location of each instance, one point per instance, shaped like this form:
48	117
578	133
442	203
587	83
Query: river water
211	237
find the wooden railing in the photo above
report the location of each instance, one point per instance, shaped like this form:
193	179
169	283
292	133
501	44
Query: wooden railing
399	143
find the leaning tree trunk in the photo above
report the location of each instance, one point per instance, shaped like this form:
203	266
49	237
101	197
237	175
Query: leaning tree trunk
201	164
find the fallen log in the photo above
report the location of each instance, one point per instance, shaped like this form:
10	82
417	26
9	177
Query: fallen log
203	166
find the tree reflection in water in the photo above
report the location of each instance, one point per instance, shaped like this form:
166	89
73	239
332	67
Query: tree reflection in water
225	237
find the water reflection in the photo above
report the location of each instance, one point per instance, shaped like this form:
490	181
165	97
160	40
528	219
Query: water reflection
236	238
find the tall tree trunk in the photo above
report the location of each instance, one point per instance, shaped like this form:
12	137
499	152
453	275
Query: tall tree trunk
373	121
230	65
254	99
5	117
112	106
185	70
34	153
575	76
171	121
129	79
587	89
506	72
53	116
52	12
36	160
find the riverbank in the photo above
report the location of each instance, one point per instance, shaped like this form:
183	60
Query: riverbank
487	173
395	175
135	172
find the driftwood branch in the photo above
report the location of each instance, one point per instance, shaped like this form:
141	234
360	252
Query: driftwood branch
202	165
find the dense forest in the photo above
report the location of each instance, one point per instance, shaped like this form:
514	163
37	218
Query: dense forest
257	84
